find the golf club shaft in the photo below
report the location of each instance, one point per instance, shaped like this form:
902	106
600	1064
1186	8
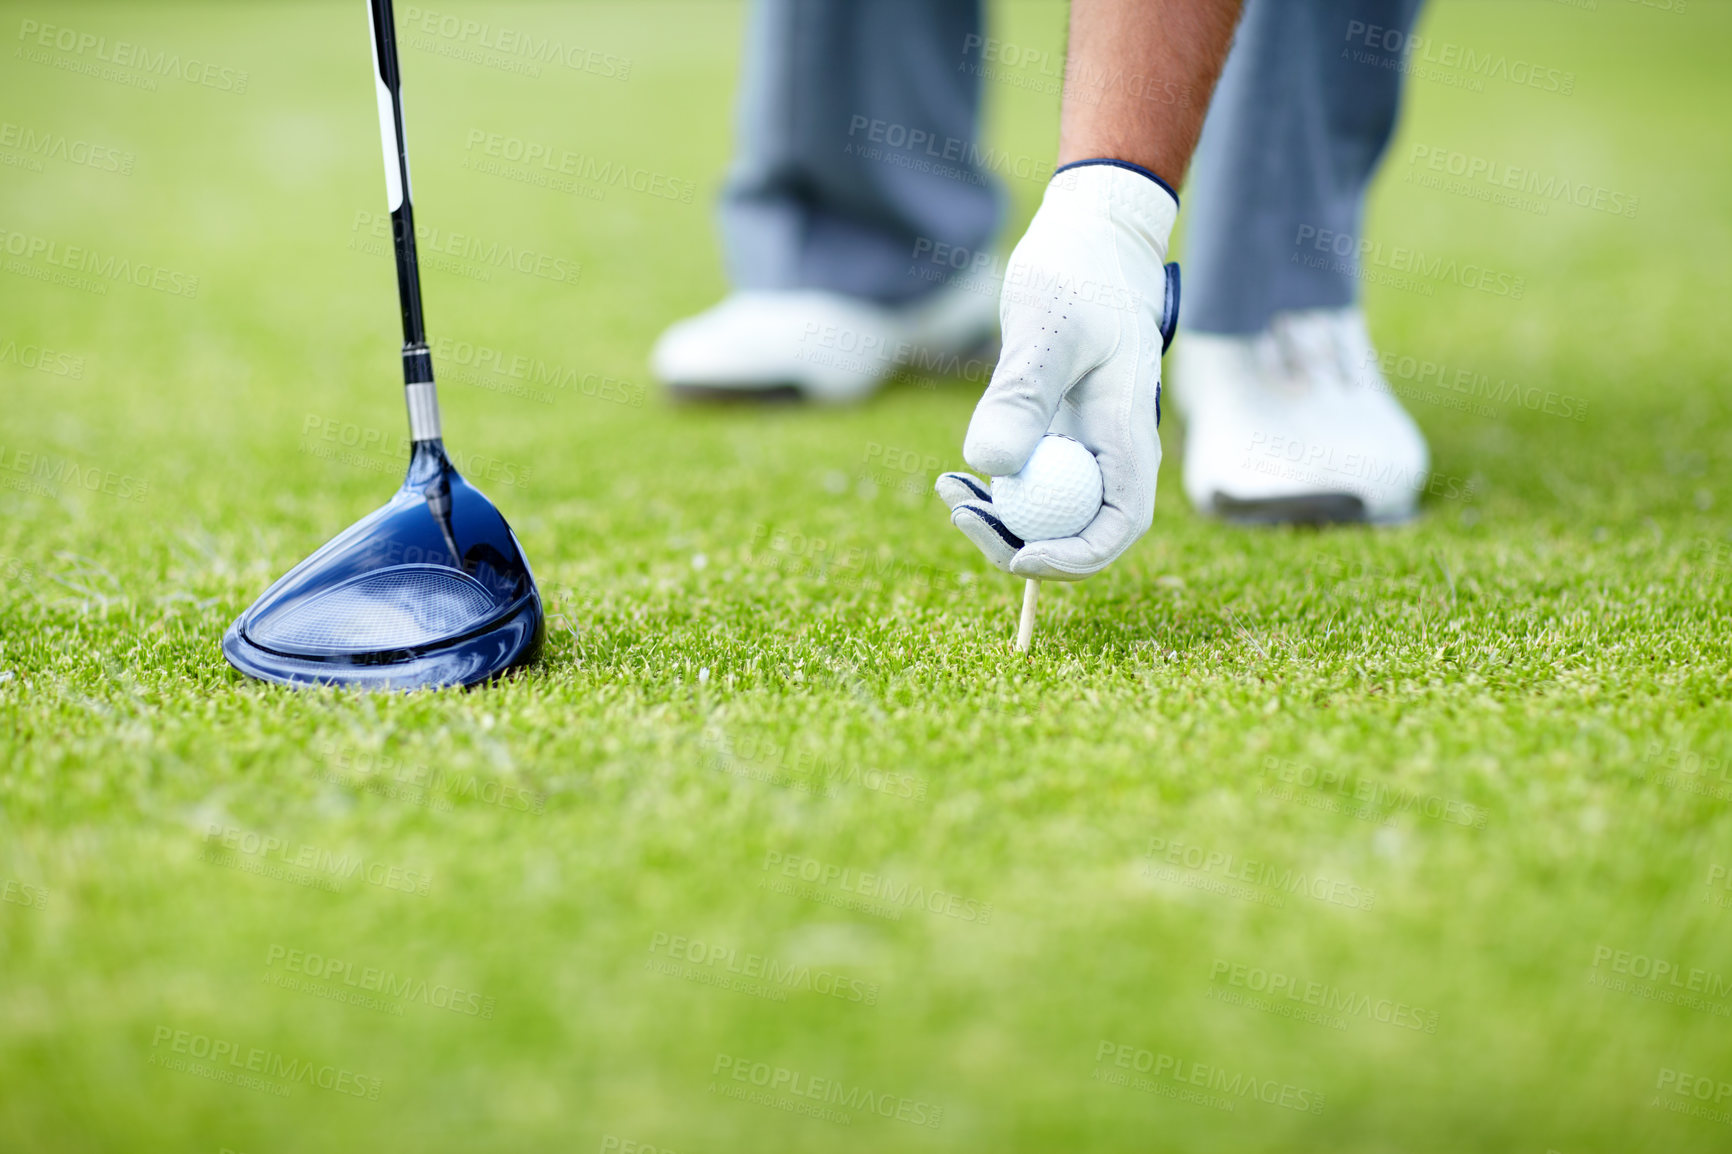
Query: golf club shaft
423	401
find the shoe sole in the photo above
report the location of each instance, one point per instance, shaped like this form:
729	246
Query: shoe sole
1300	509
789	392
782	394
1315	509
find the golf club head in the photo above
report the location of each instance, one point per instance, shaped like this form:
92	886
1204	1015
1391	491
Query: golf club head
430	590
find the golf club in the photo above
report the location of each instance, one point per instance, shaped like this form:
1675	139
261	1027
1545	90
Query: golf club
433	588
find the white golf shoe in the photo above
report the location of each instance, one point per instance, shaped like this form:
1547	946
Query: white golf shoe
825	347
1296	424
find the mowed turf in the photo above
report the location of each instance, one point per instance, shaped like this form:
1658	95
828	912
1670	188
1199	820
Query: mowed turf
1410	840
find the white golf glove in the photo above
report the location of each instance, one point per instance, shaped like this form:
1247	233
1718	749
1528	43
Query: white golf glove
1087	308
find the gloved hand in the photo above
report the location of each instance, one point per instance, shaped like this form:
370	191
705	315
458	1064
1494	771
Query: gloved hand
1087	309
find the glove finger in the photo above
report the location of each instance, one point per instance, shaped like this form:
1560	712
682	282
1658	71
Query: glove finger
1047	349
980	525
956	488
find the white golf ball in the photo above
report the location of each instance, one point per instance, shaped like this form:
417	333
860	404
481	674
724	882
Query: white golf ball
1057	493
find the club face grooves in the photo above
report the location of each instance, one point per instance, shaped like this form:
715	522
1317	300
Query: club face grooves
497	651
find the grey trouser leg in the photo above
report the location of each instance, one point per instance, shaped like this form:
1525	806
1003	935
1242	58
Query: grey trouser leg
1292	139
856	134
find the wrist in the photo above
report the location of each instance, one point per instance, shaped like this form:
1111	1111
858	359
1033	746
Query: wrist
1141	204
1129	166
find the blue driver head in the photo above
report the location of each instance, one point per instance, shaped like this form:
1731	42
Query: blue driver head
430	590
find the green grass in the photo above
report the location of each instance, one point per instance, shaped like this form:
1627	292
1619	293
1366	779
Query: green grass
1520	703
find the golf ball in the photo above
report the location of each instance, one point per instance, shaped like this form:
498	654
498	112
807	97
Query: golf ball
1057	493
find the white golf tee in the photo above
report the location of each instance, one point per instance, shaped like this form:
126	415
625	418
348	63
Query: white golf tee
1025	630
